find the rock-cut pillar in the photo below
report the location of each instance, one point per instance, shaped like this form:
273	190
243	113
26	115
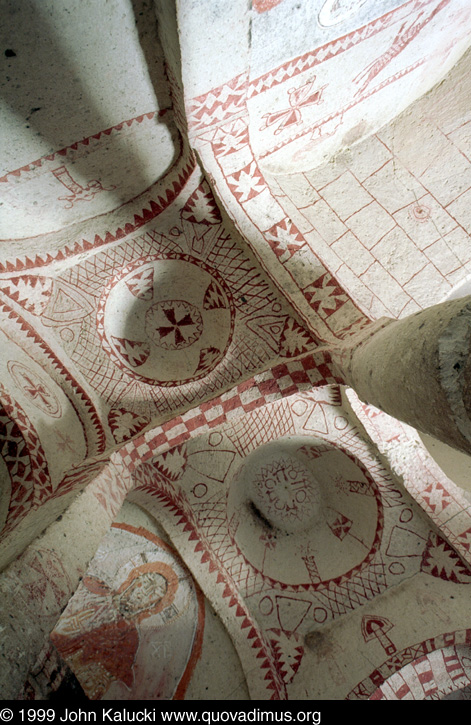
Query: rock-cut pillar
417	369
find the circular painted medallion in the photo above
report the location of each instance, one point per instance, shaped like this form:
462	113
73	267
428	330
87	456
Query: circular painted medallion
35	389
285	492
305	512
166	320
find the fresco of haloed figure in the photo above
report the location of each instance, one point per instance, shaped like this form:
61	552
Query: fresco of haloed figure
133	630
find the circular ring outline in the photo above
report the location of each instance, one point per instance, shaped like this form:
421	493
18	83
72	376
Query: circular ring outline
160	257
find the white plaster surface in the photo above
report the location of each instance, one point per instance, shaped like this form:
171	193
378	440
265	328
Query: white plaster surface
169	322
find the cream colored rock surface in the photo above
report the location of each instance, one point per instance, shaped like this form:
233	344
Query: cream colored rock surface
206	210
280	575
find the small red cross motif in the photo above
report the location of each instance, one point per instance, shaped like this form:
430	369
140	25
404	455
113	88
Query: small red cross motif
299	98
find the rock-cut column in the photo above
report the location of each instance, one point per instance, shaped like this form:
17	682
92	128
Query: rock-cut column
417	369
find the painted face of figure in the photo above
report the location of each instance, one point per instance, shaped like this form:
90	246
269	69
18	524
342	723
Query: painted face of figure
143	593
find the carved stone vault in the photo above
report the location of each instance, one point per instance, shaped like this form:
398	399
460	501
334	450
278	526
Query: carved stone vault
235	382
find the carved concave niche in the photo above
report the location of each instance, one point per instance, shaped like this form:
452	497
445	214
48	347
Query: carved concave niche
166	320
302	510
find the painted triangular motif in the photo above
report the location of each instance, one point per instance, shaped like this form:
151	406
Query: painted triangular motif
66	305
339	524
442	561
214	298
291	611
141	285
208	359
404	542
133	353
31	292
124	423
285	239
288	652
317	421
212	463
295	339
201	207
325	295
269	328
171	464
227	140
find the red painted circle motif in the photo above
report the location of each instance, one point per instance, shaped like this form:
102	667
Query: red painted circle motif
166	319
35	389
308	502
